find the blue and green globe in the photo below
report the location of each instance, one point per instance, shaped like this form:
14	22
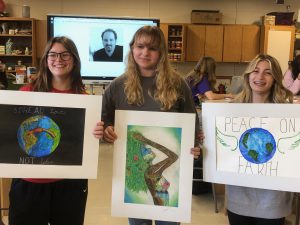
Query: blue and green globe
38	136
257	145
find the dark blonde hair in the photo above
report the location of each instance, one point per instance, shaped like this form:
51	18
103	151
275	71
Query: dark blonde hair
168	82
278	93
43	83
206	66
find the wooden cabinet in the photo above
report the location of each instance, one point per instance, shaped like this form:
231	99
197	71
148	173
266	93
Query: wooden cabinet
233	35
214	42
241	42
195	44
204	40
278	41
224	43
175	35
20	34
250	42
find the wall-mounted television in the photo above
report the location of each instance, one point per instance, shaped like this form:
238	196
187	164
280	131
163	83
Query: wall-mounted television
86	32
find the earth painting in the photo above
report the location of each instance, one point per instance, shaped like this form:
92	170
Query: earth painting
38	136
257	145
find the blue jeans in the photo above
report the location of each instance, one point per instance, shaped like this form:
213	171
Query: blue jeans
133	221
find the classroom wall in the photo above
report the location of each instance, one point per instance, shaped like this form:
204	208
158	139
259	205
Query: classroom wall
168	11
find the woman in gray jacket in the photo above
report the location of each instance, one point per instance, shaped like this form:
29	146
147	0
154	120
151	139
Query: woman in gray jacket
252	206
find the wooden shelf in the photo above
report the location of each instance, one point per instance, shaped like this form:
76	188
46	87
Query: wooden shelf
175	49
175	36
175	39
16	35
15	19
24	38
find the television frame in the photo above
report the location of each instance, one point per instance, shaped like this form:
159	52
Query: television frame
103	22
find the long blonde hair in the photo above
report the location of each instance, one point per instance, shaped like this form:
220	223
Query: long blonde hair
168	82
278	93
206	66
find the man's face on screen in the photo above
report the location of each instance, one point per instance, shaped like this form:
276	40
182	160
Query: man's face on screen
109	42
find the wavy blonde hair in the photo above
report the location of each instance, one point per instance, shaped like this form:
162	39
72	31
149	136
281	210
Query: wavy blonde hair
278	93
205	66
168	82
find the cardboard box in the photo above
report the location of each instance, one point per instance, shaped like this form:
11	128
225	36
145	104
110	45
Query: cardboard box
268	20
206	17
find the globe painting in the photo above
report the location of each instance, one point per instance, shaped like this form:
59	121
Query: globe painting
38	136
257	145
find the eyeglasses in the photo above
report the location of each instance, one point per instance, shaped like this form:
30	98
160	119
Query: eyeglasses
65	56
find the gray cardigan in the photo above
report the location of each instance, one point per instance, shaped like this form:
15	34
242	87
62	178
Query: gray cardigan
114	98
261	203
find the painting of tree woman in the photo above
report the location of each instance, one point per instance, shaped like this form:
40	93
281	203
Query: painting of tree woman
143	176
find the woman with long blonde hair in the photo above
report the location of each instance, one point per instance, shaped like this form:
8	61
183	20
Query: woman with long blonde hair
148	84
253	206
167	82
278	93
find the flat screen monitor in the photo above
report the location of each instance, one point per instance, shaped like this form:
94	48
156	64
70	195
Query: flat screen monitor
94	45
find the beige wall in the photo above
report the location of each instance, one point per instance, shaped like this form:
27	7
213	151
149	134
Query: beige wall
234	11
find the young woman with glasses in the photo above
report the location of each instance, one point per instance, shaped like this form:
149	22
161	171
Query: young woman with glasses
53	201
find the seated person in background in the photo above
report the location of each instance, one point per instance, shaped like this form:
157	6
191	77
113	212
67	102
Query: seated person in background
110	51
291	79
202	80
